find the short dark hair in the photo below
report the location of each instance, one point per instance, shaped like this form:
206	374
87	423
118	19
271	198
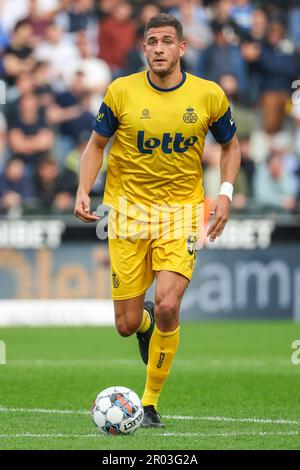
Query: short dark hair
163	19
20	24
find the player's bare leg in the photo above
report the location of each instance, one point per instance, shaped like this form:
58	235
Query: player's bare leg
129	314
136	316
164	340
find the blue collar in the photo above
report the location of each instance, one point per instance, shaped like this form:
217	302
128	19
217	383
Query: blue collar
166	89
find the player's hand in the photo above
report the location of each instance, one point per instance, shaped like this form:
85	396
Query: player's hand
82	208
220	211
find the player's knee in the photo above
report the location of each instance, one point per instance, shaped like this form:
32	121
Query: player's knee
166	311
126	328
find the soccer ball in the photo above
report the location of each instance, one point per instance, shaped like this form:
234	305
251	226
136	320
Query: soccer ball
117	410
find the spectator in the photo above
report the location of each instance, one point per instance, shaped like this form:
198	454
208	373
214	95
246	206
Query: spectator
222	58
15	186
29	136
242	14
54	190
245	117
42	80
96	73
4	41
3	134
258	25
105	8
211	162
117	37
24	85
273	188
277	66
282	146
72	163
251	48
247	164
70	111
261	143
221	11
198	33
135	60
59	80
18	56
58	50
12	11
294	26
38	20
47	9
76	16
168	5
145	13
212	177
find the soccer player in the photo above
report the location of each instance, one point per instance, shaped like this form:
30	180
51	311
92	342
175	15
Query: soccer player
159	119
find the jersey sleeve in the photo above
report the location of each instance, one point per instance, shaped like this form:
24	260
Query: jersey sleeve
222	124
106	122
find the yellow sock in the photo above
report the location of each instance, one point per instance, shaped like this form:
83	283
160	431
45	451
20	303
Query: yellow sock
146	322
162	349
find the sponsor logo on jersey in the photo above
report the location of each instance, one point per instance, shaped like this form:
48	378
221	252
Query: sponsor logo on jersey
100	117
168	144
190	117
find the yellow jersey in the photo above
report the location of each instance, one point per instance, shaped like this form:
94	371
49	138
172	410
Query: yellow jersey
157	149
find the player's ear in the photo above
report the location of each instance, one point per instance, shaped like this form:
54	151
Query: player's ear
144	47
182	46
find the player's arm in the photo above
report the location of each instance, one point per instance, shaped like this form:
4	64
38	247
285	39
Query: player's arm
229	165
90	164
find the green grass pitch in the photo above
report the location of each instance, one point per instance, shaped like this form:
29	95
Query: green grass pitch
232	386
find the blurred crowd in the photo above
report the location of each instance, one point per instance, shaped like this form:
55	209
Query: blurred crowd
57	58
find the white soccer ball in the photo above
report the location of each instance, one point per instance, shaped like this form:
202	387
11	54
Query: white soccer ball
117	410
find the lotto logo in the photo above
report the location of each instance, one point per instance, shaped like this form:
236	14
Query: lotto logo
169	143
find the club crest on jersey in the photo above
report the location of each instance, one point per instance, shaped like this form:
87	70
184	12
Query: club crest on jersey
190	117
169	143
190	245
115	280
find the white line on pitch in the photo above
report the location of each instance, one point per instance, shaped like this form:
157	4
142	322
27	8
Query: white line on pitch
229	434
235	420
72	362
203	362
42	411
166	434
38	436
185	418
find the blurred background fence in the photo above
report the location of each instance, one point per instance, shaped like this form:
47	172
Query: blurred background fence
253	271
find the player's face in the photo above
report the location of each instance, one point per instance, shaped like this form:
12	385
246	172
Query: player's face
163	50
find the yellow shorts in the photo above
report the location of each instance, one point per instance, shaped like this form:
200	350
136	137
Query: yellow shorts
165	244
134	262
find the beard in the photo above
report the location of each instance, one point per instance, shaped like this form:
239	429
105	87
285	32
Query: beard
166	71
